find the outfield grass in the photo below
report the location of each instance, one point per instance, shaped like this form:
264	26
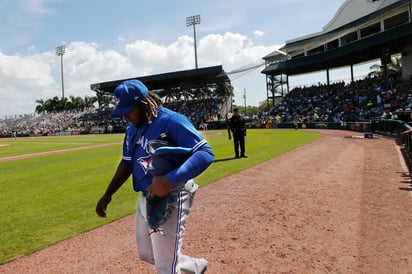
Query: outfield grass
29	145
47	199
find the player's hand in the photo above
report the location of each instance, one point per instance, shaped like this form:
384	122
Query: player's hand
102	205
160	186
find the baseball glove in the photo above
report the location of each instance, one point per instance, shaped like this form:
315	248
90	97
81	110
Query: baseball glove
165	156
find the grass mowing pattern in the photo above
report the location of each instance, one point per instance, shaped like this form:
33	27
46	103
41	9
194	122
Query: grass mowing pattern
48	199
11	147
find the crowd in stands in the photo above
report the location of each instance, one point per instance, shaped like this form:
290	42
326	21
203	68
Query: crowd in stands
198	111
47	124
362	100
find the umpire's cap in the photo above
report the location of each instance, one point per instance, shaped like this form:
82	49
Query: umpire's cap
126	95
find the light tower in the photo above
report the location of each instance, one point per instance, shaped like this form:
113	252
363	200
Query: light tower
60	50
193	21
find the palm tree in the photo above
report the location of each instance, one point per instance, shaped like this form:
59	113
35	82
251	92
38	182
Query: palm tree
89	102
49	105
40	108
224	89
61	104
394	68
77	103
71	104
104	101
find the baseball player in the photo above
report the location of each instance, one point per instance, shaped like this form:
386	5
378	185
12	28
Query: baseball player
147	121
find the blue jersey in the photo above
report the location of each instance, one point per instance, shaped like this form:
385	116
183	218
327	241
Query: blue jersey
178	129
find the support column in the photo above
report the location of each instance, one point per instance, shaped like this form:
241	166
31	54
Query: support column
327	76
351	73
407	63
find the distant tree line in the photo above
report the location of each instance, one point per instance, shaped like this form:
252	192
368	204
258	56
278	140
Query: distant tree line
73	103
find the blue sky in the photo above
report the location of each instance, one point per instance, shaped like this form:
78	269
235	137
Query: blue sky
115	39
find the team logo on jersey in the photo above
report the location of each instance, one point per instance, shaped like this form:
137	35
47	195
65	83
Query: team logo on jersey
145	162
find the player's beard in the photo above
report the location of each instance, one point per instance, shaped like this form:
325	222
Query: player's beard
140	117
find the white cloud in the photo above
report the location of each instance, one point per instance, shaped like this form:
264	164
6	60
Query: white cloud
150	58
231	50
25	79
258	33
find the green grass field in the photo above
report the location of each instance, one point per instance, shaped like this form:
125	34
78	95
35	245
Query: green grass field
47	199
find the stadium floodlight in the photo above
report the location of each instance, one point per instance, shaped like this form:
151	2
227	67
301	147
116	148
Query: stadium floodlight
60	50
193	21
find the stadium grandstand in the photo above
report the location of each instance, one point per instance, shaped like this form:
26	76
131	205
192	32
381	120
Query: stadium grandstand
204	95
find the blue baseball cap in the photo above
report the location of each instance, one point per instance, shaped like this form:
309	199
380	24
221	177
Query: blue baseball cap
126	95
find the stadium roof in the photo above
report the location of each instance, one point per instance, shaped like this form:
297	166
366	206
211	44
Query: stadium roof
184	78
334	47
354	53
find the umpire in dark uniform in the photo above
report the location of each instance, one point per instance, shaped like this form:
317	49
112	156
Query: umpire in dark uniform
237	126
